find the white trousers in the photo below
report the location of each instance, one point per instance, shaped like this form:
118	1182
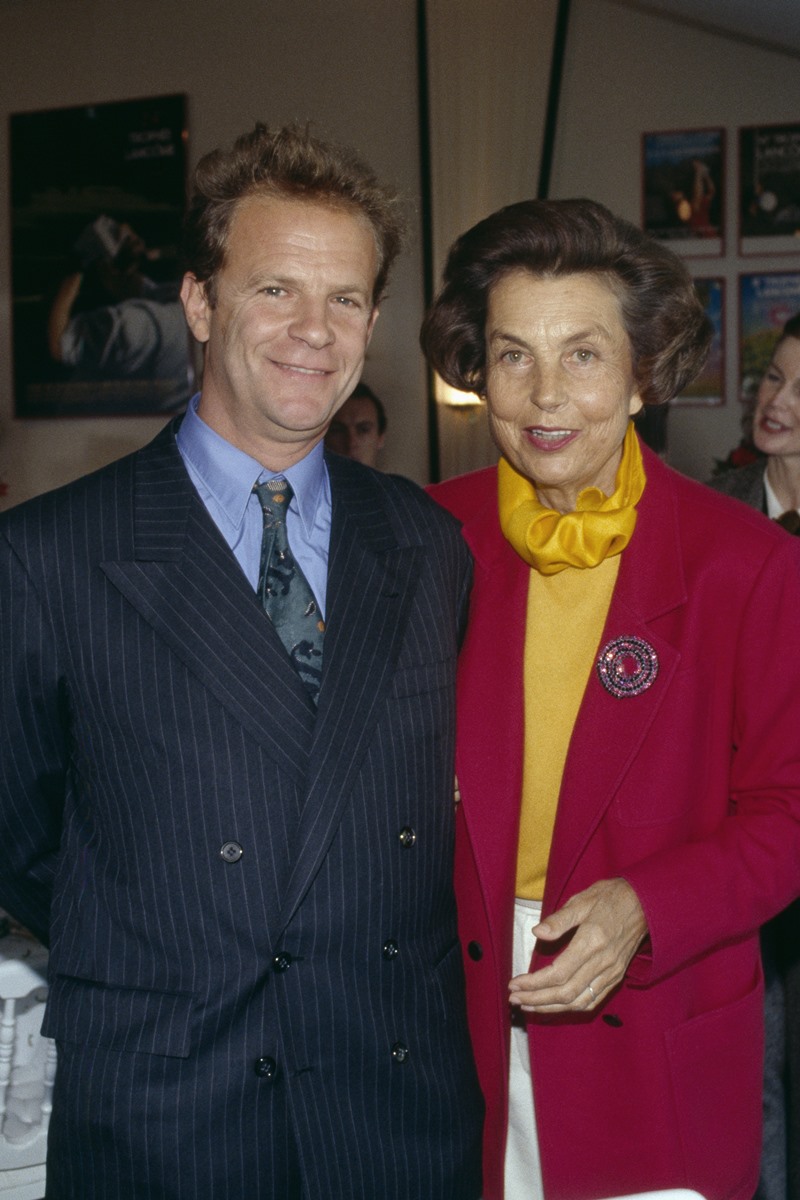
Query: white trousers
523	1173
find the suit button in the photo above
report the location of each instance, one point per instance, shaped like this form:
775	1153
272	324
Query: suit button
475	951
407	837
281	962
266	1068
400	1052
231	852
390	948
613	1020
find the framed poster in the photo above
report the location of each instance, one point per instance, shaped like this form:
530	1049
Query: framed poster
97	199
766	302
683	189
769	189
708	389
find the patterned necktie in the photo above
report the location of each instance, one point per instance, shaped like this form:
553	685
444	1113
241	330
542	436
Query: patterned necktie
284	590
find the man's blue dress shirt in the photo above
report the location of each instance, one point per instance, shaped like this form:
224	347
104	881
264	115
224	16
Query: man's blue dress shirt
224	477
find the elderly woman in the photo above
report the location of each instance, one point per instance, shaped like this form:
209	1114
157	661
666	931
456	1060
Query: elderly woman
628	759
772	485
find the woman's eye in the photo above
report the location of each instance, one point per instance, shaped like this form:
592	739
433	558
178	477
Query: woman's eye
584	356
513	356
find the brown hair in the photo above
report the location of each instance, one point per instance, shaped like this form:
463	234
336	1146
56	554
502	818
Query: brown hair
790	330
667	328
289	163
364	392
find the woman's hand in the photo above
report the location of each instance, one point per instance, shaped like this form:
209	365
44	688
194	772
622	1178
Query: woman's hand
609	926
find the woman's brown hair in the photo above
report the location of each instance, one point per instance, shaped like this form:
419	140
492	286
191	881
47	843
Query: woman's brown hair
668	330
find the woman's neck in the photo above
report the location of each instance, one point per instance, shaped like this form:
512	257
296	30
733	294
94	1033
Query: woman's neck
783	473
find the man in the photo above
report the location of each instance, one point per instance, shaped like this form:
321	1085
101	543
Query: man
255	977
359	428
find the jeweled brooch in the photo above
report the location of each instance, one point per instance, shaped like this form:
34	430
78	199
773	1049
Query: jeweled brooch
627	666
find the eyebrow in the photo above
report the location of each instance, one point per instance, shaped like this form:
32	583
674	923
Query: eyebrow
591	333
265	278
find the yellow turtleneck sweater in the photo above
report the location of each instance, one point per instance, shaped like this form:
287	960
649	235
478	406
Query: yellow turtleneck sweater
575	560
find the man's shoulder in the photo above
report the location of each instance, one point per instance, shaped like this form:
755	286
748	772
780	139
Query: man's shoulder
407	505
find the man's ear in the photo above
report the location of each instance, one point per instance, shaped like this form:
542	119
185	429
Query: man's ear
196	306
372	319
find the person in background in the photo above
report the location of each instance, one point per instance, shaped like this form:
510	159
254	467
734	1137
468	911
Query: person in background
627	750
358	430
772	485
227	675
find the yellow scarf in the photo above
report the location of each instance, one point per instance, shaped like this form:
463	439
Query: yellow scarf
600	527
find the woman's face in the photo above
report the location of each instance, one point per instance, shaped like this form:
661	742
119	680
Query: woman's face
776	424
559	382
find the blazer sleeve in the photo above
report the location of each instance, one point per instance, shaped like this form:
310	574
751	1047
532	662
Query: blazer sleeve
726	883
33	748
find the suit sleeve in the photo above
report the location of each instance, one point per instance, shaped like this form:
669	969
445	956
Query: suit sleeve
724	885
33	749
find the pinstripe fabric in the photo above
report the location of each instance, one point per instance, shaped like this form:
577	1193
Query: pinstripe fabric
151	717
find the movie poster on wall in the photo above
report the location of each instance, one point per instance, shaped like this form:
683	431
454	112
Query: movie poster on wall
766	302
708	389
769	189
683	189
97	200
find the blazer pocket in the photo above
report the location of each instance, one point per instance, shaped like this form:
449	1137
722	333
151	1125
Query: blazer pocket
715	1064
118	1018
425	677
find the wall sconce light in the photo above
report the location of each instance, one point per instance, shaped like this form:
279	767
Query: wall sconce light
452	398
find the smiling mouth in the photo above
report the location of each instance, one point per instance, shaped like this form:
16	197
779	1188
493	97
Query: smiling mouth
550	439
296	369
770	425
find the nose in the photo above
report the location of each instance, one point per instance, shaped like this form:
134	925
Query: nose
547	390
311	322
787	394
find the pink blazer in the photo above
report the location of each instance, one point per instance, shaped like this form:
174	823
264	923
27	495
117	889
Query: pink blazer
690	791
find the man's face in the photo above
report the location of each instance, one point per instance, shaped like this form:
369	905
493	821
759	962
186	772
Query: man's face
354	431
286	338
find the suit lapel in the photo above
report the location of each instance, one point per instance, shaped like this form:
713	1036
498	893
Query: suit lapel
185	582
609	731
371	585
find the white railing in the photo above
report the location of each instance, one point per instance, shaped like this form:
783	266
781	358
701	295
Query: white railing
27	1069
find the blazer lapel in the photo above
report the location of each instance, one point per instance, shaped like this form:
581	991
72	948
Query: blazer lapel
490	710
185	582
609	730
371	584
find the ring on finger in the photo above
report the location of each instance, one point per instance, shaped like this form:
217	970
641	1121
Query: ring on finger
590	990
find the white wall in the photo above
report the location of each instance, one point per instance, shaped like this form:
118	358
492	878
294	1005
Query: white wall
629	72
349	65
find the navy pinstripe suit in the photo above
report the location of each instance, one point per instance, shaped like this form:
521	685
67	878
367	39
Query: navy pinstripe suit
282	1017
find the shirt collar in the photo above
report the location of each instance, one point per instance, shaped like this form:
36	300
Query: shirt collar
230	474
